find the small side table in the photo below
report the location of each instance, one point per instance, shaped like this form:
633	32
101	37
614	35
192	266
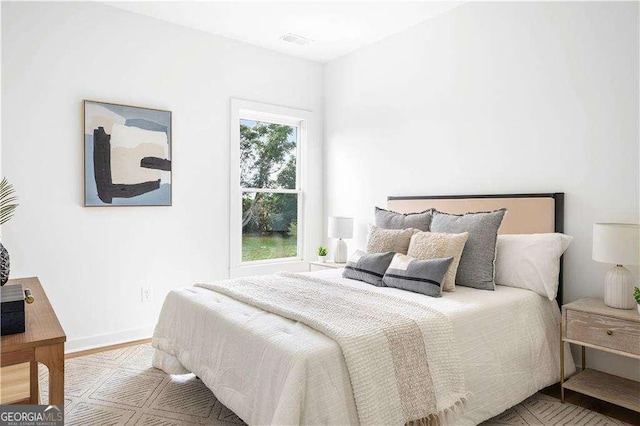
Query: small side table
319	266
590	323
43	341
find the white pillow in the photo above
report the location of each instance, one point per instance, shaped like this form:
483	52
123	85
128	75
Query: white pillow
531	261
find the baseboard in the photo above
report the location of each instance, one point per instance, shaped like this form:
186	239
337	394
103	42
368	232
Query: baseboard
87	343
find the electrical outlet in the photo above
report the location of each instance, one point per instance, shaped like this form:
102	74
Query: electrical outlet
145	294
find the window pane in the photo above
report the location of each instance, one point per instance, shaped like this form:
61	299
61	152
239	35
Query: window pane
269	226
267	155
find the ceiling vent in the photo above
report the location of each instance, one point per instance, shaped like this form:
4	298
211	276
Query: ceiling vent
296	39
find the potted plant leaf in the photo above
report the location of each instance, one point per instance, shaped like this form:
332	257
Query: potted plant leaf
636	295
7	208
322	254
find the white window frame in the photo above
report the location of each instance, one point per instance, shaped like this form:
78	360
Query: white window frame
242	109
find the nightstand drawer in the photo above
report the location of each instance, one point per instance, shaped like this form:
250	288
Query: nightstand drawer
321	266
315	267
603	331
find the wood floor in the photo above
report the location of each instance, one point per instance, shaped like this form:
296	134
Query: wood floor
14	386
14	383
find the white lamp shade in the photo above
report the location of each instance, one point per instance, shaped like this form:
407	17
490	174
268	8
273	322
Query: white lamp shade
340	227
617	243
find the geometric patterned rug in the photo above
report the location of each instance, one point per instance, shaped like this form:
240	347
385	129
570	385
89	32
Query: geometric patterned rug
541	409
120	387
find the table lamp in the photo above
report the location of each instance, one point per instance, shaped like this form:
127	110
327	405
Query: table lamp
340	228
617	243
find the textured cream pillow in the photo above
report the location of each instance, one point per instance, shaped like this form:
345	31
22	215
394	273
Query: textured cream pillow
433	245
385	240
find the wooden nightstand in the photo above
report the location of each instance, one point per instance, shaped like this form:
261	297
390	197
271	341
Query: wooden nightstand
590	323
319	266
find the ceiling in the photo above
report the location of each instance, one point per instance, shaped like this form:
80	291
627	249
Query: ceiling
336	28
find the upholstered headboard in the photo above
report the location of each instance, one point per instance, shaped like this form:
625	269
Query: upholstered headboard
526	213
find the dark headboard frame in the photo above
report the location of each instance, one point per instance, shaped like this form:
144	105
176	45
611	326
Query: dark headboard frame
558	198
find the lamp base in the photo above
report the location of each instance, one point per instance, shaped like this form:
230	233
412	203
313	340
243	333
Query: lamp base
618	288
340	256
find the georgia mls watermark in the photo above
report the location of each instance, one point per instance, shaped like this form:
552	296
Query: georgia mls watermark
31	415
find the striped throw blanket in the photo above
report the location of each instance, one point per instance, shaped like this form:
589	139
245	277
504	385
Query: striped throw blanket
401	356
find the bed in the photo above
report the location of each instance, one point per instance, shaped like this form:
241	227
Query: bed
272	370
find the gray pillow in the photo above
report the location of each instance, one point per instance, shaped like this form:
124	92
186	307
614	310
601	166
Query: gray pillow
418	276
386	219
369	268
476	268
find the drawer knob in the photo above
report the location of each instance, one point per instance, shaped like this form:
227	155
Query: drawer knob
609	332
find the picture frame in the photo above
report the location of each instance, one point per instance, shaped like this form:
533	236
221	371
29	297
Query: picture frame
127	155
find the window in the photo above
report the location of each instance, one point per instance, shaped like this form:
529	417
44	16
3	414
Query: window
266	183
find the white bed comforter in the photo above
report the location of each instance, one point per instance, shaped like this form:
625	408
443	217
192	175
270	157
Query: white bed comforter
271	370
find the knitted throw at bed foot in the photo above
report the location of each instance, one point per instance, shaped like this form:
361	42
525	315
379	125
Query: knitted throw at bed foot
401	356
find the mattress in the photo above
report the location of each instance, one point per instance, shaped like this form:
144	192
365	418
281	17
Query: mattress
271	370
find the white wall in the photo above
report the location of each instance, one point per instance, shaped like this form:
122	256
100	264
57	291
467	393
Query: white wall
93	261
495	98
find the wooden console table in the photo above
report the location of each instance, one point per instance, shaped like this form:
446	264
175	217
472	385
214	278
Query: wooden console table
42	342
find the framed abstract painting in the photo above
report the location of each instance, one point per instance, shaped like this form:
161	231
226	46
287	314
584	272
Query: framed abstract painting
127	155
